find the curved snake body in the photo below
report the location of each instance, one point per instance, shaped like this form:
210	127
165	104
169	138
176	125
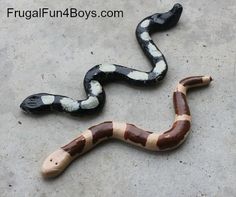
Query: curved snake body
60	159
99	74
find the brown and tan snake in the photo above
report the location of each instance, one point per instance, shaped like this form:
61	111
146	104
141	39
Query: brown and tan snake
56	162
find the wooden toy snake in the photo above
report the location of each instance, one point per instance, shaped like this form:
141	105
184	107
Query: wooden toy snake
99	74
61	158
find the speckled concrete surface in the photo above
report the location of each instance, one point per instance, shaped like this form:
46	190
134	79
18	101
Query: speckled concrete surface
53	55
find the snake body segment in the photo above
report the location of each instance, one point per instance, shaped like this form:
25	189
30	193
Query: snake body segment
99	74
172	138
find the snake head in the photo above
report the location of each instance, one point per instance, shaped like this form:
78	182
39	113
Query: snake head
55	163
168	19
37	103
173	16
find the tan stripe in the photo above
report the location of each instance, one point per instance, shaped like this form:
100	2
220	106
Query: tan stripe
89	140
119	130
182	117
206	80
181	88
151	143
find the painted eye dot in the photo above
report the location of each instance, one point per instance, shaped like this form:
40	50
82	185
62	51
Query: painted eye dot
56	163
51	160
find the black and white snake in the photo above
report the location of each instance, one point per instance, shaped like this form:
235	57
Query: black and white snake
99	74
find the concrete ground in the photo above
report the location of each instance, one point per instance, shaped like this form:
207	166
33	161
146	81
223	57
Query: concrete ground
53	55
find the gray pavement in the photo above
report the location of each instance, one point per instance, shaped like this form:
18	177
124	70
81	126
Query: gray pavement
53	55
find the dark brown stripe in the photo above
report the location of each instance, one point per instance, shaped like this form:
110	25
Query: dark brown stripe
136	135
102	130
76	146
191	81
180	104
173	136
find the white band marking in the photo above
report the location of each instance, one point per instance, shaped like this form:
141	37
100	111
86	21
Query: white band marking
145	23
153	50
160	67
47	99
137	75
90	103
145	36
95	87
107	67
69	104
